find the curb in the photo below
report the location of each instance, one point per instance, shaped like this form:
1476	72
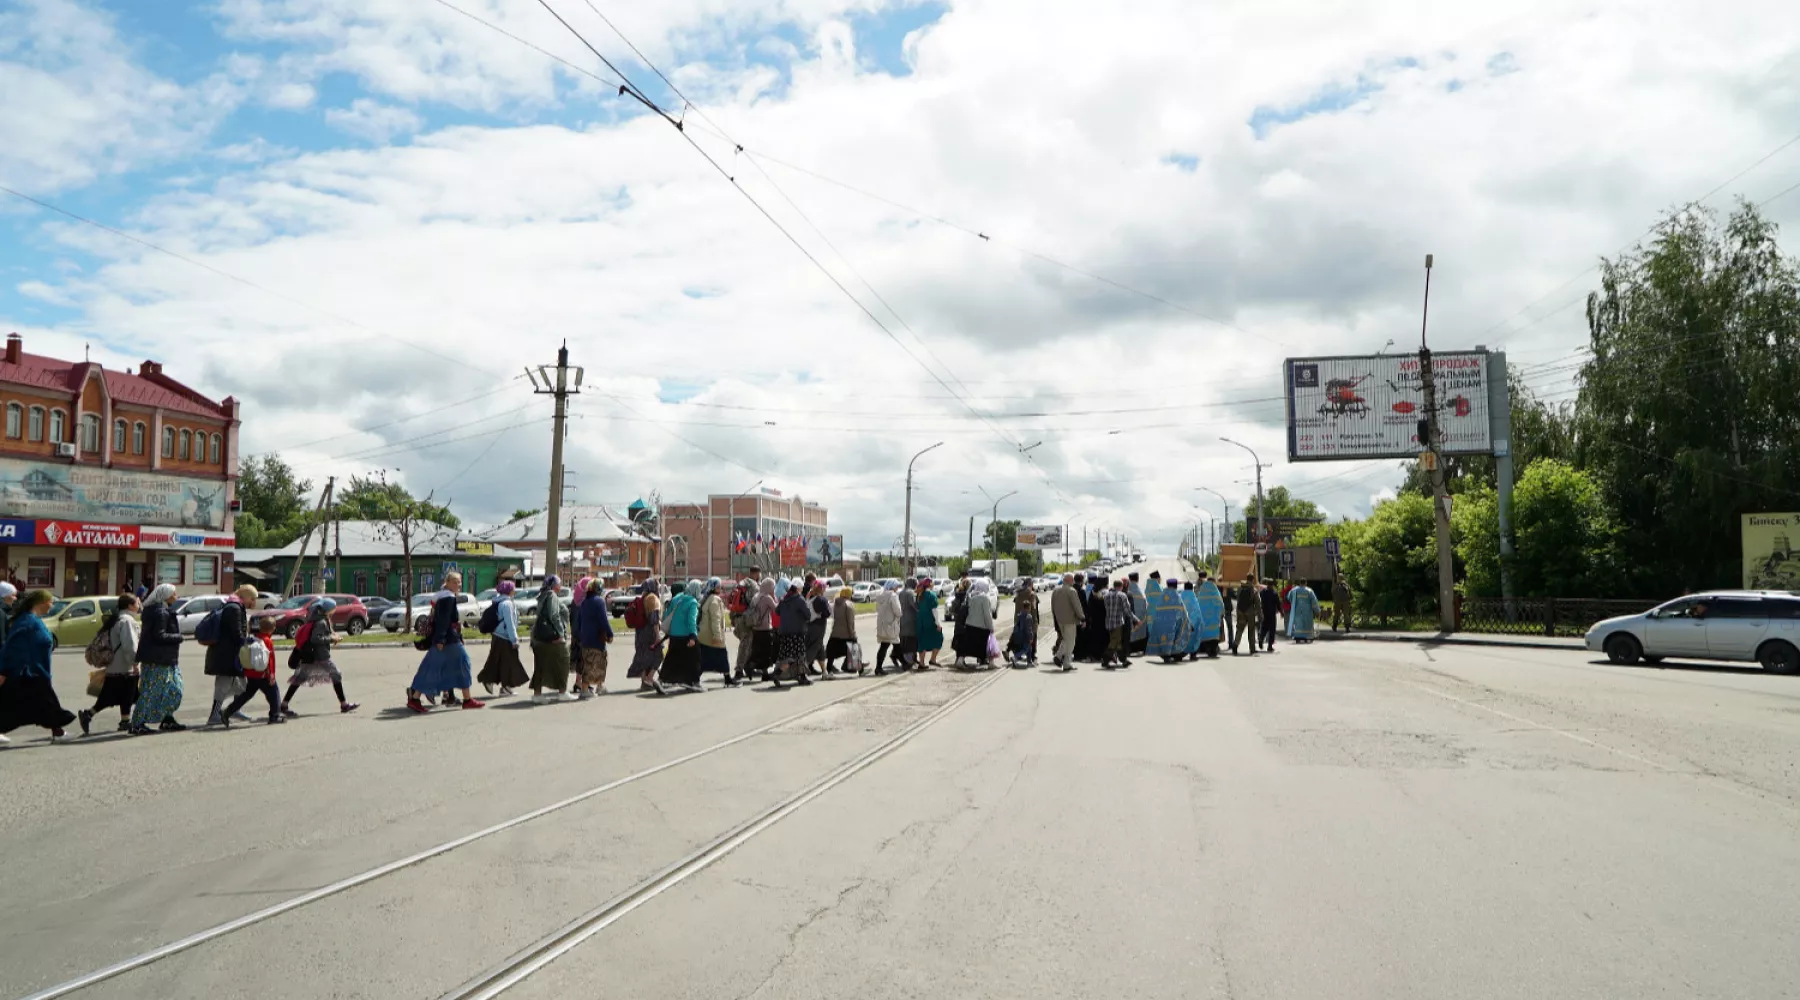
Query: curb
1442	639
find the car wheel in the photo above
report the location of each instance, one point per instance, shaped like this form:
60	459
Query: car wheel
419	624
1778	657
355	626
290	630
1623	649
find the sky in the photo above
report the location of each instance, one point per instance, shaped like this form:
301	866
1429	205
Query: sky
1071	241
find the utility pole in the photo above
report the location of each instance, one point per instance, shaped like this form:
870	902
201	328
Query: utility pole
337	551
293	585
912	561
1261	524
971	540
556	382
993	533
1440	500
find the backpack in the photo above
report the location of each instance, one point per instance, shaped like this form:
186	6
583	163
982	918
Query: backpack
207	632
100	648
634	613
490	617
302	651
740	601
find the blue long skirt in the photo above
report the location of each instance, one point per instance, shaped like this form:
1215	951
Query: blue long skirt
446	669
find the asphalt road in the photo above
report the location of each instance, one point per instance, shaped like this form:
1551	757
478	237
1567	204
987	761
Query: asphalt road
1339	820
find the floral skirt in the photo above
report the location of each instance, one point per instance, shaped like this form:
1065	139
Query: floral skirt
314	674
790	648
159	695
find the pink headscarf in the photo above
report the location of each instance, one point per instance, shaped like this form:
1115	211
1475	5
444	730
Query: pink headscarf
581	588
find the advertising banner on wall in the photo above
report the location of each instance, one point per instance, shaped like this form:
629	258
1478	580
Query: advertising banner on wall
79	492
174	538
1771	562
1370	407
87	536
825	550
1040	536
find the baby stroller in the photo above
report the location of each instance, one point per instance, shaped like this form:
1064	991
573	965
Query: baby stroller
1021	649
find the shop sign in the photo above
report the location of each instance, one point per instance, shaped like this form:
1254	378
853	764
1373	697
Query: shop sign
17	532
169	538
44	489
474	548
87	536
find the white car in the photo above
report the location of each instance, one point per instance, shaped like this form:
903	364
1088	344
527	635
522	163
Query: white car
468	607
191	610
1761	626
1048	584
862	592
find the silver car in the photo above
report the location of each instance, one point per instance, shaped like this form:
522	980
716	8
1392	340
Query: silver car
1760	626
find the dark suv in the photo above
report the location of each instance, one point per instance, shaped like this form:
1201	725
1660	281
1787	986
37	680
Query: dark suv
350	615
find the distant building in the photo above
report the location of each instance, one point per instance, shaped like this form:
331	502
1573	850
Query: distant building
112	480
365	558
592	540
725	535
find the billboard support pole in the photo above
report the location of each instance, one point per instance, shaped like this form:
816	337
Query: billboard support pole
1439	495
1500	424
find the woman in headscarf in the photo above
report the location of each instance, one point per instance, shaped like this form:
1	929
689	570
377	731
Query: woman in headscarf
818	627
762	630
1025	627
959	616
222	662
446	663
681	663
931	634
649	638
978	624
908	653
843	635
790	638
26	697
159	667
550	645
577	604
120	687
503	666
312	657
593	631
887	625
713	626
1091	644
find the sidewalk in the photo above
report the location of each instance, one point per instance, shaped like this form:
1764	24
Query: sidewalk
1461	639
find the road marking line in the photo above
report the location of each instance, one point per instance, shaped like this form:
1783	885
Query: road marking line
1546	728
548	949
362	878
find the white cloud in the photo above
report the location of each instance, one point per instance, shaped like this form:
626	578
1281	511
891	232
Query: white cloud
492	245
373	120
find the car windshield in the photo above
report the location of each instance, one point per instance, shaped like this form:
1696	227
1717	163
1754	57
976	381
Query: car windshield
296	603
56	608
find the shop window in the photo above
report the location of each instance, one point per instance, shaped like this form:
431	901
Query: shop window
37	423
40	572
15	420
168	446
206	570
90	432
59	430
119	436
137	438
212	449
427	582
187	445
171	569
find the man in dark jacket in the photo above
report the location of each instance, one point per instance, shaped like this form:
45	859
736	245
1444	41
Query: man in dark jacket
222	663
1271	606
1249	610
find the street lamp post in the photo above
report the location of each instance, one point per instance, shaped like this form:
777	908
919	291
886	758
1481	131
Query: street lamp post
994	535
1222	501
912	564
1261	527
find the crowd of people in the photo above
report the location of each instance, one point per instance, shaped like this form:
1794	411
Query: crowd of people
787	632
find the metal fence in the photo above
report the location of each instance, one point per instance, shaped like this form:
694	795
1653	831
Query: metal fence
1549	616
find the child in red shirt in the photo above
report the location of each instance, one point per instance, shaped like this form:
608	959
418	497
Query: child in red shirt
260	680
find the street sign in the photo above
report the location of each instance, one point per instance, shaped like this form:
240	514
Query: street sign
1262	547
1287	561
328	574
1331	548
450	567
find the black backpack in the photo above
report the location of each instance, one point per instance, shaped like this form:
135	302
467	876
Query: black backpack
490	617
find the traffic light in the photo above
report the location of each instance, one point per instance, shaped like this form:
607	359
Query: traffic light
1424	433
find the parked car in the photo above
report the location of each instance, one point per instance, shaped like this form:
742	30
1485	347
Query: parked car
620	599
1049	583
75	622
468	609
350	615
862	592
266	600
377	605
1761	626
189	612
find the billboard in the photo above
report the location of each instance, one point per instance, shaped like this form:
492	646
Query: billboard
1370	407
1278	531
1040	536
1770	560
84	492
825	550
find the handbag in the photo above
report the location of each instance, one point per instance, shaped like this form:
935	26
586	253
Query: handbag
254	658
96	681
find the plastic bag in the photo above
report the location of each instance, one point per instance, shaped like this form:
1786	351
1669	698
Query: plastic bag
993	647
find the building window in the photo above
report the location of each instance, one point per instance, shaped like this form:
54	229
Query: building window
137	438
206	570
212	449
37	423
15	420
168	442
90	432
119	436
359	581
170	569
58	428
40	572
187	444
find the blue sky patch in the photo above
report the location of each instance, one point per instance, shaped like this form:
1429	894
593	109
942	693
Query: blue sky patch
675	392
1187	163
881	34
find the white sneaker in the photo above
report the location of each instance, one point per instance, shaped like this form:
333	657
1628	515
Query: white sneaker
5	738
64	738
565	696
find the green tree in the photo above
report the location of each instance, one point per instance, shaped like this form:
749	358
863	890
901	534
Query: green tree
376	499
1279	503
275	503
521	514
1002	535
1390	559
1565	536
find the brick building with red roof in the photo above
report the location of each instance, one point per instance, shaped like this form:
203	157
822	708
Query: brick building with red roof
110	480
